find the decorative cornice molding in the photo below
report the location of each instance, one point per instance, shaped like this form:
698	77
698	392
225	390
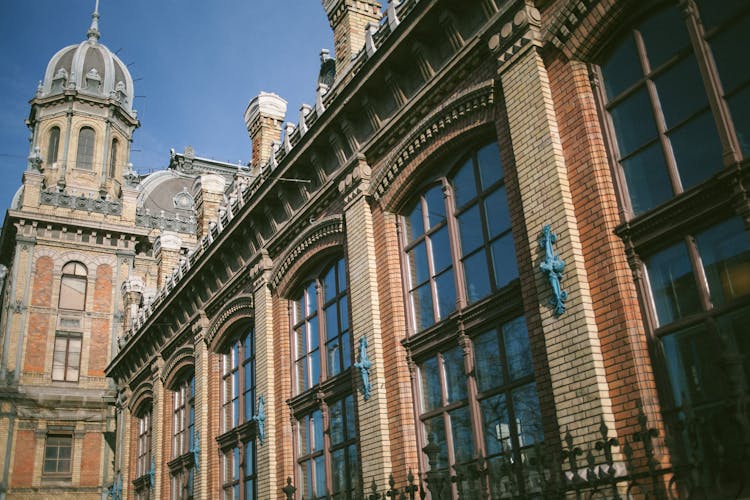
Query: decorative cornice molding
438	123
239	306
83	203
523	30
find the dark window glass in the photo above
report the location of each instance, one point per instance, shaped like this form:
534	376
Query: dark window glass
85	154
664	34
113	158
673	284
58	454
53	145
238	382
622	68
647	179
725	254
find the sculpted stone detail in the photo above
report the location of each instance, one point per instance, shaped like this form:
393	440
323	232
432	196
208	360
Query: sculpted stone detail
61	199
522	30
241	306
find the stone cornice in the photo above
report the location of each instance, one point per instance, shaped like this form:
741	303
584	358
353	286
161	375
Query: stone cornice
515	35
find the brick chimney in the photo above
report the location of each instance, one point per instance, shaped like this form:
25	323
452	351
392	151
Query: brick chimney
349	18
167	252
209	195
264	117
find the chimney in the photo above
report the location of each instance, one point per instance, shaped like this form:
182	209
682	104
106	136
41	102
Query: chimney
349	19
209	189
167	249
263	117
132	293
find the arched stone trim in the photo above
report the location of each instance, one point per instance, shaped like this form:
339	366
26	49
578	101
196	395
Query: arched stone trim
143	395
238	309
469	110
322	235
175	367
580	28
92	262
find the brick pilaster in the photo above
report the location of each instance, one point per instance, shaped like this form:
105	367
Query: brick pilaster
578	380
158	437
374	441
201	487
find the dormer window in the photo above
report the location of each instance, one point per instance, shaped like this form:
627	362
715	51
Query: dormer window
93	80
59	80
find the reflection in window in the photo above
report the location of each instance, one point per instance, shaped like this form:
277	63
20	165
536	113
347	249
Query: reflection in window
58	455
73	286
85	154
460	222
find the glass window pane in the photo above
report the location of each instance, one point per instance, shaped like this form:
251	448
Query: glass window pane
351	429
725	253
346	351
320	477
470	227
490	165
477	277
336	425
332	321
317	425
415	222
304	436
681	91
725	46
314	367
353	467
622	68
338	470
302	381
487	362
344	313
463	440
517	350
455	380
311	299
333	349
697	150
341	266
528	415
422	303
739	105
313	334
647	178
734	327
711	16
434	429
420	272
496	424
496	210
441	249
446	289
435	205
504	261
692	358
634	123
329	284
464	184
664	34
430	378
672	284
72	293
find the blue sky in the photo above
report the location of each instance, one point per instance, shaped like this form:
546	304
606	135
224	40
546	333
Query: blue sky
197	63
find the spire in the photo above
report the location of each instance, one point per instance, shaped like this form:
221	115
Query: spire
93	32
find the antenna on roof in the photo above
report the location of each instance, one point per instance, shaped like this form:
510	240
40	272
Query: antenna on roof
93	32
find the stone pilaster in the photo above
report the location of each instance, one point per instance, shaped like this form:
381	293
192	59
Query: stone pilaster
158	439
265	382
263	117
132	293
579	386
202	403
375	445
210	196
167	249
32	186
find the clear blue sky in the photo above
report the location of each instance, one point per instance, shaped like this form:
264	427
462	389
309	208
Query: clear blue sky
197	63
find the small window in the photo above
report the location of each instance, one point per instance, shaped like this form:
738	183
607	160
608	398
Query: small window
143	459
73	286
53	145
85	155
67	358
58	455
113	158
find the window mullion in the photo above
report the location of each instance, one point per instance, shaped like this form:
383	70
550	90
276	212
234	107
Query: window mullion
454	237
699	273
320	312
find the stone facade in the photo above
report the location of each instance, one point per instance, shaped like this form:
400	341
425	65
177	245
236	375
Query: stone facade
375	284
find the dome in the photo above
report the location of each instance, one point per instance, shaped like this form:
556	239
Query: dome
90	68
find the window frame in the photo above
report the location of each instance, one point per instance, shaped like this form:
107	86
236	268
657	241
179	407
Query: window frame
144	450
113	157
73	272
182	464
53	146
85	149
58	435
68	337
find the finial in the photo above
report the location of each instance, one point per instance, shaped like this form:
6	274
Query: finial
93	32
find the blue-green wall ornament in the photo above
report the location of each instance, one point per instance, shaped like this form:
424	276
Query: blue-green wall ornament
363	365
260	419
553	265
196	450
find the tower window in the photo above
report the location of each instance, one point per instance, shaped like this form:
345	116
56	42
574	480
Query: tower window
85	156
113	158
73	286
53	145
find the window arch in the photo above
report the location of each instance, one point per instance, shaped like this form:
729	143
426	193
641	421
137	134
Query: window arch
73	286
113	158
53	145
85	154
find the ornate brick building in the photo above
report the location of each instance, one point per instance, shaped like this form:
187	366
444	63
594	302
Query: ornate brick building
501	225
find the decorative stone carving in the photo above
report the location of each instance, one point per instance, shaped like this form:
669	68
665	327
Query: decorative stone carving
524	29
553	265
260	419
83	203
363	365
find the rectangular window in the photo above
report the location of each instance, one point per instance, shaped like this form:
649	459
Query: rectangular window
66	358
58	454
143	459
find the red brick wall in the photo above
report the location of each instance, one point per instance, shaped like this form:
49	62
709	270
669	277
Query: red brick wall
91	459
41	296
23	465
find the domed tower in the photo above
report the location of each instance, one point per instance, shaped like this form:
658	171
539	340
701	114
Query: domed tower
82	119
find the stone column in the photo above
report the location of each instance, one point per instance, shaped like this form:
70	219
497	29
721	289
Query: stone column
157	428
209	189
167	250
263	117
202	404
375	445
576	367
265	381
132	293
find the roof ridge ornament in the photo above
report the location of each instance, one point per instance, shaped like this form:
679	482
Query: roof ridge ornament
93	32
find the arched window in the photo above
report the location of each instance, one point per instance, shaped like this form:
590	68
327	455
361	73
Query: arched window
182	464
113	158
322	351
73	286
53	145
238	406
85	155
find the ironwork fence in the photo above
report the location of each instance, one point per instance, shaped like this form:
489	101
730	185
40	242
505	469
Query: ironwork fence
708	455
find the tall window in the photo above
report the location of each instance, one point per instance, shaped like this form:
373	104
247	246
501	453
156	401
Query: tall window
652	79
239	430
66	359
73	286
461	223
85	154
53	145
321	323
182	465
326	440
113	158
58	456
143	476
